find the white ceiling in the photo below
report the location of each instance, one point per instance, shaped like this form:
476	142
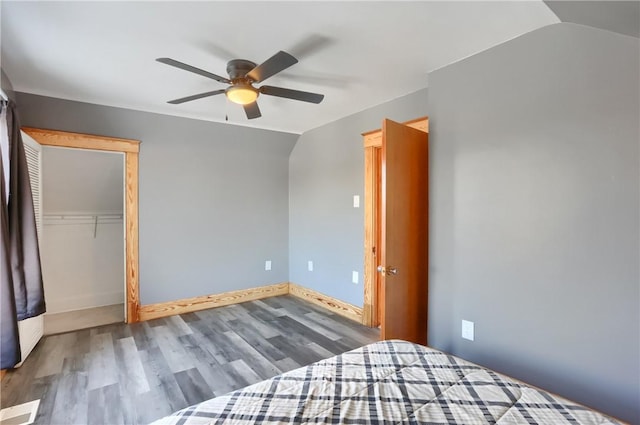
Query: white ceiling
359	54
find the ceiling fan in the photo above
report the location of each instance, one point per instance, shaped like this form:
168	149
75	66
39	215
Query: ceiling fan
243	74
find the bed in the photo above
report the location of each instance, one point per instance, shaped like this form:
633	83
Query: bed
388	382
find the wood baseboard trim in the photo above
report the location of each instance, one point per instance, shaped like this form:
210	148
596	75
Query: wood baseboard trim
188	305
342	308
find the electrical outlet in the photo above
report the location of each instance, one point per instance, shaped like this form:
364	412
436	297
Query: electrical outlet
310	266
354	277
356	201
468	330
267	265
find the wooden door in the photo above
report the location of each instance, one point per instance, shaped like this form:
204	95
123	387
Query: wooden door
404	232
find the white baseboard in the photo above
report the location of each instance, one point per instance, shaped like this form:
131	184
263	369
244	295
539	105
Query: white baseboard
62	305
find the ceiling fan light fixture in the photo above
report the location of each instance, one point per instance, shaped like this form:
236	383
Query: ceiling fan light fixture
242	94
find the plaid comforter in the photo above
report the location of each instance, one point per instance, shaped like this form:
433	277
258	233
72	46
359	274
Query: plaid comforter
388	382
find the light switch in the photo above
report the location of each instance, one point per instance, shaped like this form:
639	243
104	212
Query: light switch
267	265
310	266
467	330
354	277
356	201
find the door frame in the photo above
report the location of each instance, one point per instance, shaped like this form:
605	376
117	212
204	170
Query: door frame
372	180
130	148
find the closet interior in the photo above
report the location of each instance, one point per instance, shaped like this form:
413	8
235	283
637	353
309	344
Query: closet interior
82	244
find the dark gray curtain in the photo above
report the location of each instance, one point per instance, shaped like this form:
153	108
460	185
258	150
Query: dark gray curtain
9	346
22	281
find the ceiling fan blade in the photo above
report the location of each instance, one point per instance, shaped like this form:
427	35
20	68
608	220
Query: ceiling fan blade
273	65
292	94
252	110
177	64
196	96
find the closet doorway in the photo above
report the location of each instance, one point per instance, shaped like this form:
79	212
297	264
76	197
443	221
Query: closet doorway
82	248
127	150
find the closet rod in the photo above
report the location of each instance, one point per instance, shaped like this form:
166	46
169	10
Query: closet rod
83	216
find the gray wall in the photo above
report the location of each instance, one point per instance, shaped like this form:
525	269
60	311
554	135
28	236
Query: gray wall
213	197
326	169
618	16
535	212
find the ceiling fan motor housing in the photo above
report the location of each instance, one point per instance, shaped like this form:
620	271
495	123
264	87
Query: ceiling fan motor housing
238	68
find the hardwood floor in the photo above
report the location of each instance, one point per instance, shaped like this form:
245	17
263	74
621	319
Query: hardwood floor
135	374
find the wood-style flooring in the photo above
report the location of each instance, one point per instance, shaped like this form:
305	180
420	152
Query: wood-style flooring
135	374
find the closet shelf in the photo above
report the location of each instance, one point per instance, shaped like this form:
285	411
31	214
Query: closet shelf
82	216
82	219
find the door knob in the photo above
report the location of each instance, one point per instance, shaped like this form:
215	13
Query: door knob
387	270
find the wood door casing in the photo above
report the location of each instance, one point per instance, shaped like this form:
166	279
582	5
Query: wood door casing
130	148
404	232
373	296
370	315
379	297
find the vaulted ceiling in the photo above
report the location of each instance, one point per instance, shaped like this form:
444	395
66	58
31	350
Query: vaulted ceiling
358	54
